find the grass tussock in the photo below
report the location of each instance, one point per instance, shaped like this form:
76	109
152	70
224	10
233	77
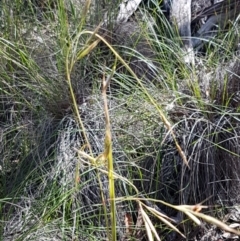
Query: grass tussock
108	134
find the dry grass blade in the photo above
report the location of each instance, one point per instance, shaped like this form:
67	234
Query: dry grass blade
216	222
149	225
194	213
194	218
165	219
87	50
128	224
89	46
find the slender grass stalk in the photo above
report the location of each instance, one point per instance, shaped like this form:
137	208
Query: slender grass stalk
109	157
71	57
151	99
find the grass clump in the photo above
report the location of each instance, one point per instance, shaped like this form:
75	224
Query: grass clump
104	134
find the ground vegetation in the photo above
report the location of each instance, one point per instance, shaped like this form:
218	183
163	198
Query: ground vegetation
107	133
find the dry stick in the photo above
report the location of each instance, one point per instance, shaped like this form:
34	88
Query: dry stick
164	119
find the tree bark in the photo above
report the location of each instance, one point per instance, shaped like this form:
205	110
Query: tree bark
181	17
